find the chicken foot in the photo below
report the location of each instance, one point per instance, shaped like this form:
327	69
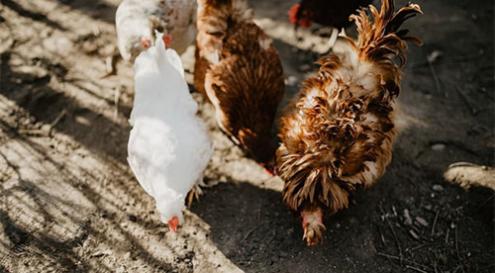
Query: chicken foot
312	223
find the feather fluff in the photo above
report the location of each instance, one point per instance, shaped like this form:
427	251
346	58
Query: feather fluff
169	147
135	19
338	133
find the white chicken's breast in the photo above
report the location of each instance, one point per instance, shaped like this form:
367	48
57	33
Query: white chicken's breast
137	19
169	146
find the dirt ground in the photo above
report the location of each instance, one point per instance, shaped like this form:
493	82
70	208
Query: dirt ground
69	202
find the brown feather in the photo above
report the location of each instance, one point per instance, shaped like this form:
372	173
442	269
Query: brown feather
247	84
338	133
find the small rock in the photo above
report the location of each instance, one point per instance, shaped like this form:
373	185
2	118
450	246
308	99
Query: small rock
46	128
414	234
422	221
291	80
438	147
127	255
394	210
59	44
82	120
437	188
433	56
305	68
408	220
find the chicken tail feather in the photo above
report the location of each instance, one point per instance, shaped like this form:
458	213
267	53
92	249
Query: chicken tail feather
380	37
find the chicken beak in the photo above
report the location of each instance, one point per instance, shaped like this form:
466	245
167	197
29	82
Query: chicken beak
145	42
270	172
167	39
268	169
173	223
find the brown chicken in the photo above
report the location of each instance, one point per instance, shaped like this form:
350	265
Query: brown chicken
338	134
240	71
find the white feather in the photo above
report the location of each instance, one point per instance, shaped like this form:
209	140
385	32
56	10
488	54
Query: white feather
169	147
135	19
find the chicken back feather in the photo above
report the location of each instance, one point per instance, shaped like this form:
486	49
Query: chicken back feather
240	71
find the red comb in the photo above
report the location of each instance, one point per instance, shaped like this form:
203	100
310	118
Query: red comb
167	39
293	13
297	18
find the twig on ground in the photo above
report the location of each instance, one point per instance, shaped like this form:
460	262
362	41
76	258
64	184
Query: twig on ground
434	223
393	257
447	236
466	101
435	77
382	238
249	233
456	244
415	269
46	130
110	65
56	121
116	100
397	242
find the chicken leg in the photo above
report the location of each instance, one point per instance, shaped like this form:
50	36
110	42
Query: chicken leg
312	223
195	192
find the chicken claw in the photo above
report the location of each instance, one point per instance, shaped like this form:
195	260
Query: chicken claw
195	193
312	222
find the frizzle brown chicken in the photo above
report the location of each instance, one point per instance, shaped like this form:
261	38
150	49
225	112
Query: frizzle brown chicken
338	133
240	71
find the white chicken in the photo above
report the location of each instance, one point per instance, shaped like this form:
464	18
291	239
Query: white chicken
169	146
137	20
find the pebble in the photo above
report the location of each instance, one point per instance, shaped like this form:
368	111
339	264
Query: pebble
437	188
305	68
59	44
291	80
82	120
408	220
438	147
413	234
422	221
433	56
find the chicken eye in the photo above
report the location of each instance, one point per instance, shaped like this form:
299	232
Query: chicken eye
159	29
